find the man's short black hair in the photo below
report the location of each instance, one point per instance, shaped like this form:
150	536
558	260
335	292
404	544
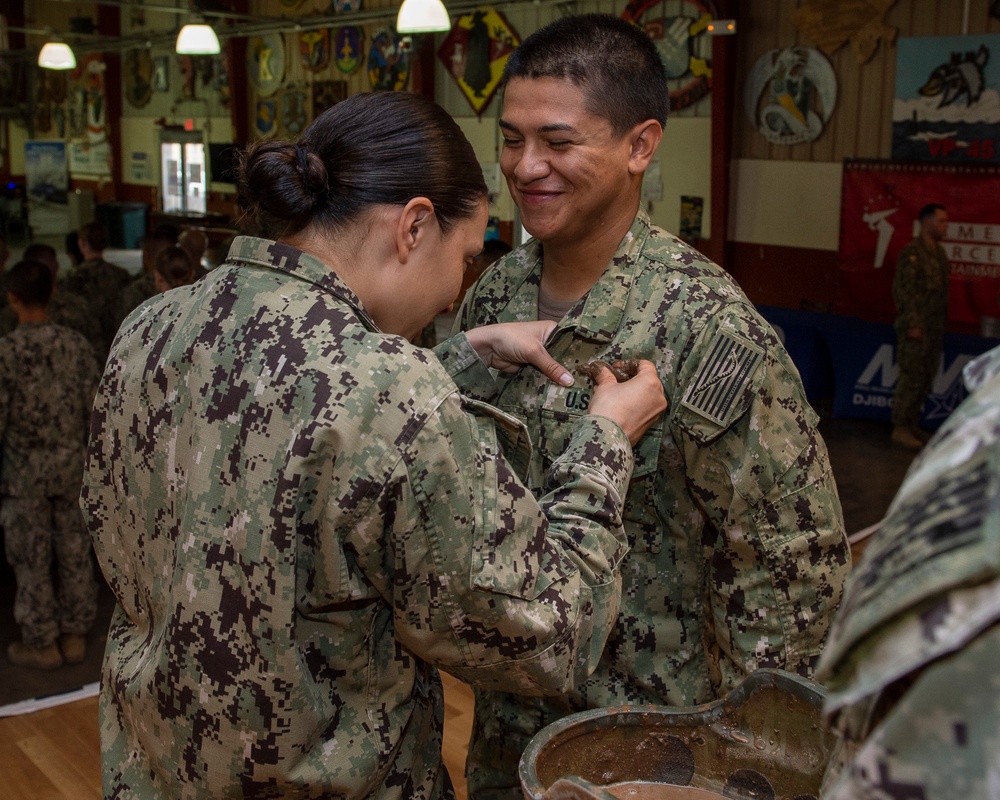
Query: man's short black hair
613	62
30	282
95	235
46	253
929	209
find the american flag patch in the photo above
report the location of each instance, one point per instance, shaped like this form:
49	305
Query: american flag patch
719	382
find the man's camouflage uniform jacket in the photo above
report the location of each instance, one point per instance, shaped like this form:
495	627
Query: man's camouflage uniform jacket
296	512
911	666
738	553
920	289
100	283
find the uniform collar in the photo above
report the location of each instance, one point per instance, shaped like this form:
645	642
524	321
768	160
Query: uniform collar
598	314
268	254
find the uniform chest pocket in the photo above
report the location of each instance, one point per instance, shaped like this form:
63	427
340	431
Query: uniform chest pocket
642	523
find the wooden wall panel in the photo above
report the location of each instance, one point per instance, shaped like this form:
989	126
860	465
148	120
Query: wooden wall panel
861	125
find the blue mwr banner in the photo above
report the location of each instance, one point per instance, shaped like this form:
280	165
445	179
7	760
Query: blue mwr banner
854	361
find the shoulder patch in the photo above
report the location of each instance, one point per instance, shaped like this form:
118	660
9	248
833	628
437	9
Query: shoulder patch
717	385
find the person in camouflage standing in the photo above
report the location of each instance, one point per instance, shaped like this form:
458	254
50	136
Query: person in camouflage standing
4	256
173	269
738	552
300	514
64	308
100	283
48	377
911	665
920	292
143	286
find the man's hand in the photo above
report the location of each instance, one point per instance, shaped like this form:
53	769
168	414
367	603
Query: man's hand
507	346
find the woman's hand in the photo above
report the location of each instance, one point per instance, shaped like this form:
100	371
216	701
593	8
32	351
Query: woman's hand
507	346
634	404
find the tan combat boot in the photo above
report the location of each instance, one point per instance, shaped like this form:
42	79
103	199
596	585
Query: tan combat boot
906	437
23	655
73	646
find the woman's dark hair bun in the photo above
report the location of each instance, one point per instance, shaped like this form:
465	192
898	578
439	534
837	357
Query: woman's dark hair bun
372	149
315	178
282	183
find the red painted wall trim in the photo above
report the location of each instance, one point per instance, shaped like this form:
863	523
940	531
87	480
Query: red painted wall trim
789	277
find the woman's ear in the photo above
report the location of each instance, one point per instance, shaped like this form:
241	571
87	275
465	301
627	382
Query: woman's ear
413	226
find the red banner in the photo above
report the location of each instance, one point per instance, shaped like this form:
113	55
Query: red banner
879	207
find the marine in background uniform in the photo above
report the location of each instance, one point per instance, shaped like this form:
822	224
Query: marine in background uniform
737	547
65	308
920	292
48	377
912	663
100	283
143	285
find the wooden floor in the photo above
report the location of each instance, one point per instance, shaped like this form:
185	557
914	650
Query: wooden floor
54	754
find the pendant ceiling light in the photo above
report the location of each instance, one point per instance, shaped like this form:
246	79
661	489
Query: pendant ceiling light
197	39
422	16
56	55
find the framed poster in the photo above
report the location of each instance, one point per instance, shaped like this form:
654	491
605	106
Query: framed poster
138	77
266	62
47	183
947	104
475	51
684	44
348	53
388	61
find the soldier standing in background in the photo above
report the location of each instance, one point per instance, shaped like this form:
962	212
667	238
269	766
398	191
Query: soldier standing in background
143	286
173	269
911	665
920	292
48	376
100	283
65	308
4	255
738	553
195	243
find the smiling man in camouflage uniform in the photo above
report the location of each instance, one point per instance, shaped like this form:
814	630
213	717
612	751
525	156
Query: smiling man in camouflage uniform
738	553
911	665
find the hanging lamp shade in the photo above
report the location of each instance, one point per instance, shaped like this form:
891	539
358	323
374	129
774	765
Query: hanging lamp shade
56	55
197	39
422	16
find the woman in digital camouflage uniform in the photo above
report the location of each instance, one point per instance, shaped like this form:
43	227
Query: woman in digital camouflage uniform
300	514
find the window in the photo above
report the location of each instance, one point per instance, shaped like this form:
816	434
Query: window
184	181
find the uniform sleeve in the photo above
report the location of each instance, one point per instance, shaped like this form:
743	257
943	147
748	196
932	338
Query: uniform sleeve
934	734
90	377
466	368
904	289
492	585
776	549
